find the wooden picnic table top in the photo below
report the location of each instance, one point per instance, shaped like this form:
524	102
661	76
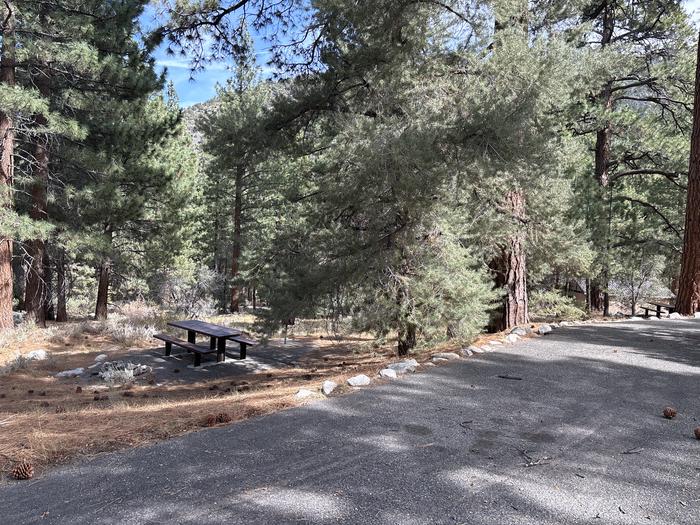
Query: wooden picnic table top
664	305
202	327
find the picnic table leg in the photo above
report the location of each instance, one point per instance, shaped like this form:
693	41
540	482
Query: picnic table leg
191	336
212	343
220	349
168	347
658	312
243	348
197	359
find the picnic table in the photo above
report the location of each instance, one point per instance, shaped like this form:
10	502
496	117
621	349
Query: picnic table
658	306
218	335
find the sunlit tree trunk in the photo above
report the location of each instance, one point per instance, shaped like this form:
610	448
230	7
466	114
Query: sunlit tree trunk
7	77
516	306
688	300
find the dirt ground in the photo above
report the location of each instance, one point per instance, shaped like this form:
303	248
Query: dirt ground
47	421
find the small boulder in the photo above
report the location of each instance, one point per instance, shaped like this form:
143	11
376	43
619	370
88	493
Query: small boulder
359	380
100	358
675	315
544	329
497	343
37	355
303	393
476	349
487	348
71	373
328	387
403	367
447	356
467	352
520	331
388	372
697	315
512	338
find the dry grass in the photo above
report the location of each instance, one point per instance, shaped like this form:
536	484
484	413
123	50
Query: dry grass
45	421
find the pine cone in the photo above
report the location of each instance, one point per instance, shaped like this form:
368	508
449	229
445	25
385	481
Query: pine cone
210	421
697	433
23	470
670	412
223	418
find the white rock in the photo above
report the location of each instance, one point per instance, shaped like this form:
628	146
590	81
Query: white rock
566	323
304	393
487	348
328	387
439	359
520	331
636	318
497	343
697	315
544	329
37	355
447	356
675	315
100	358
433	364
409	365
476	349
360	380
388	372
512	338
467	352
71	373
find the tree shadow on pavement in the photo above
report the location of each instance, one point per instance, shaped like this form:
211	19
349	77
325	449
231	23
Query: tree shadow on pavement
571	432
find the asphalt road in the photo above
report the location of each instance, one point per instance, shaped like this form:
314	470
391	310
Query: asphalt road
578	440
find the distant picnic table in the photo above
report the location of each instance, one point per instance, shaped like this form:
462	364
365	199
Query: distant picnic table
218	335
658	307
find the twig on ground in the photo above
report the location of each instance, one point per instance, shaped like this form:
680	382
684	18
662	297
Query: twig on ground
530	462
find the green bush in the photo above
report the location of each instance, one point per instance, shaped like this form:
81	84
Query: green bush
552	304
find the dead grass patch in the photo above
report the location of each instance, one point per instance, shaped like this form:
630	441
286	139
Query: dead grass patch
47	421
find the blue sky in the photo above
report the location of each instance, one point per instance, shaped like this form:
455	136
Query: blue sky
202	87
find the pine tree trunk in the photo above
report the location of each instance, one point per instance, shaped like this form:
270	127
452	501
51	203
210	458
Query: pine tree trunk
236	253
104	274
406	338
603	136
49	312
688	300
61	310
7	136
35	291
516	306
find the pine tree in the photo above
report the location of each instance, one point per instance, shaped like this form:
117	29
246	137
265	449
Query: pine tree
688	301
234	140
7	82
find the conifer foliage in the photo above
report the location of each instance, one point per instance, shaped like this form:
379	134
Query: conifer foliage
418	170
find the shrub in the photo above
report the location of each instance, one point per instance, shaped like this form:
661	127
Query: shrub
551	304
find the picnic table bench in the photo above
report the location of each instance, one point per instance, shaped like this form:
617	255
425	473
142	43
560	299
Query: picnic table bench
657	307
218	335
